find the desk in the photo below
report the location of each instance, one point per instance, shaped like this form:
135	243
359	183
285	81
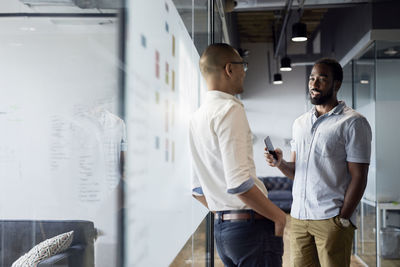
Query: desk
381	208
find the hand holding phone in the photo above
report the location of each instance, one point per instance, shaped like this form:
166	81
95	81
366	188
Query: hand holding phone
270	147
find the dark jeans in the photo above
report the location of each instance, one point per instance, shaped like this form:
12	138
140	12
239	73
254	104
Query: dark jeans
248	243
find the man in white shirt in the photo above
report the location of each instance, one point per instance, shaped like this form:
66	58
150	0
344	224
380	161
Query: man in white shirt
248	226
331	149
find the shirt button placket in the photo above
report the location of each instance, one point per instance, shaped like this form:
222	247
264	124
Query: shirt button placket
307	160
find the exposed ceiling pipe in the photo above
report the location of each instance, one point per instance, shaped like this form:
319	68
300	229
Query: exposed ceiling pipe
301	10
221	9
285	20
268	5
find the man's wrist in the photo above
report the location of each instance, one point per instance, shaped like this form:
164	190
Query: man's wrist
279	163
344	222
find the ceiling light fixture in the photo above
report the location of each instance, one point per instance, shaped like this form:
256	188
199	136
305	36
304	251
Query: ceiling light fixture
286	64
285	61
390	51
277	75
28	29
277	78
230	5
299	32
364	78
243	52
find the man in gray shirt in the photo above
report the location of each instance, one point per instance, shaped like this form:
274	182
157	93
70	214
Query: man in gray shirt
331	148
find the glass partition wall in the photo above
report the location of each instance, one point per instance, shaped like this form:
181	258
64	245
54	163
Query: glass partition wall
61	135
363	82
164	225
376	96
387	168
346	90
88	92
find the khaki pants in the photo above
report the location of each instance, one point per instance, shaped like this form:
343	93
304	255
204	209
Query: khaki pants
323	243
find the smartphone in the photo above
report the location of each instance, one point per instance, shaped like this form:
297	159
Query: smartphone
270	147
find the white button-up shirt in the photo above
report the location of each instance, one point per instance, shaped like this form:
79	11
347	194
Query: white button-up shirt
323	147
222	152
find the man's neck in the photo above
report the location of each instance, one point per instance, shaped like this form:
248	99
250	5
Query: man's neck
325	108
219	84
224	90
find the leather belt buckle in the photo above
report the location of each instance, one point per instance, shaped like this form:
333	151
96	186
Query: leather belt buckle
244	216
236	217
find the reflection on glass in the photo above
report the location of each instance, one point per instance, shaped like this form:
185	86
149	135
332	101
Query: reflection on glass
218	31
366	241
194	251
200	27
60	140
194	15
185	10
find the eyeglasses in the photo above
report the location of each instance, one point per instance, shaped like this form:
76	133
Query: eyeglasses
244	63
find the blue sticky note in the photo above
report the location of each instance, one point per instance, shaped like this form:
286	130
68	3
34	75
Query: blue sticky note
143	40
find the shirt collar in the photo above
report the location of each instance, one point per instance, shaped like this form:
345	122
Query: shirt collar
339	108
215	94
336	110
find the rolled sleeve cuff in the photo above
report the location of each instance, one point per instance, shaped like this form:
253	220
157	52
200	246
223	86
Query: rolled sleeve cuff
244	187
198	191
358	160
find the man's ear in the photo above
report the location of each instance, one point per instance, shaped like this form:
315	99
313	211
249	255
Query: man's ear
228	69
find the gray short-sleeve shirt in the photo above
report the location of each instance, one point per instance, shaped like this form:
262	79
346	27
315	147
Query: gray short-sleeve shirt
323	147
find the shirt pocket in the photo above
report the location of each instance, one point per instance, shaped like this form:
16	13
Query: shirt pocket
329	144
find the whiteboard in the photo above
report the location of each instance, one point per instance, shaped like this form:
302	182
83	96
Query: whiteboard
163	88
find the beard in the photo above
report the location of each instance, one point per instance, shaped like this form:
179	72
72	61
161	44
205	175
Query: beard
322	99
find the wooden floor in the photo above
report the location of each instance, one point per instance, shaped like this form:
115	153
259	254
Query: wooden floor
367	246
193	253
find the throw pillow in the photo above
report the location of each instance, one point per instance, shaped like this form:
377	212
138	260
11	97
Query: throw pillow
44	250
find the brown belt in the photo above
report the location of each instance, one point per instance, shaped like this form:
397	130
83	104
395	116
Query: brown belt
238	216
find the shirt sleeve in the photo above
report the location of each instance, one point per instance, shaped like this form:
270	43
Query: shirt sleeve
233	132
358	141
196	186
195	182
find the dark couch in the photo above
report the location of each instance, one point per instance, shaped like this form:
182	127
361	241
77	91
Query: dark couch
279	191
17	237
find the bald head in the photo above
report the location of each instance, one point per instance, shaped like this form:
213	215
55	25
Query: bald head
215	57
